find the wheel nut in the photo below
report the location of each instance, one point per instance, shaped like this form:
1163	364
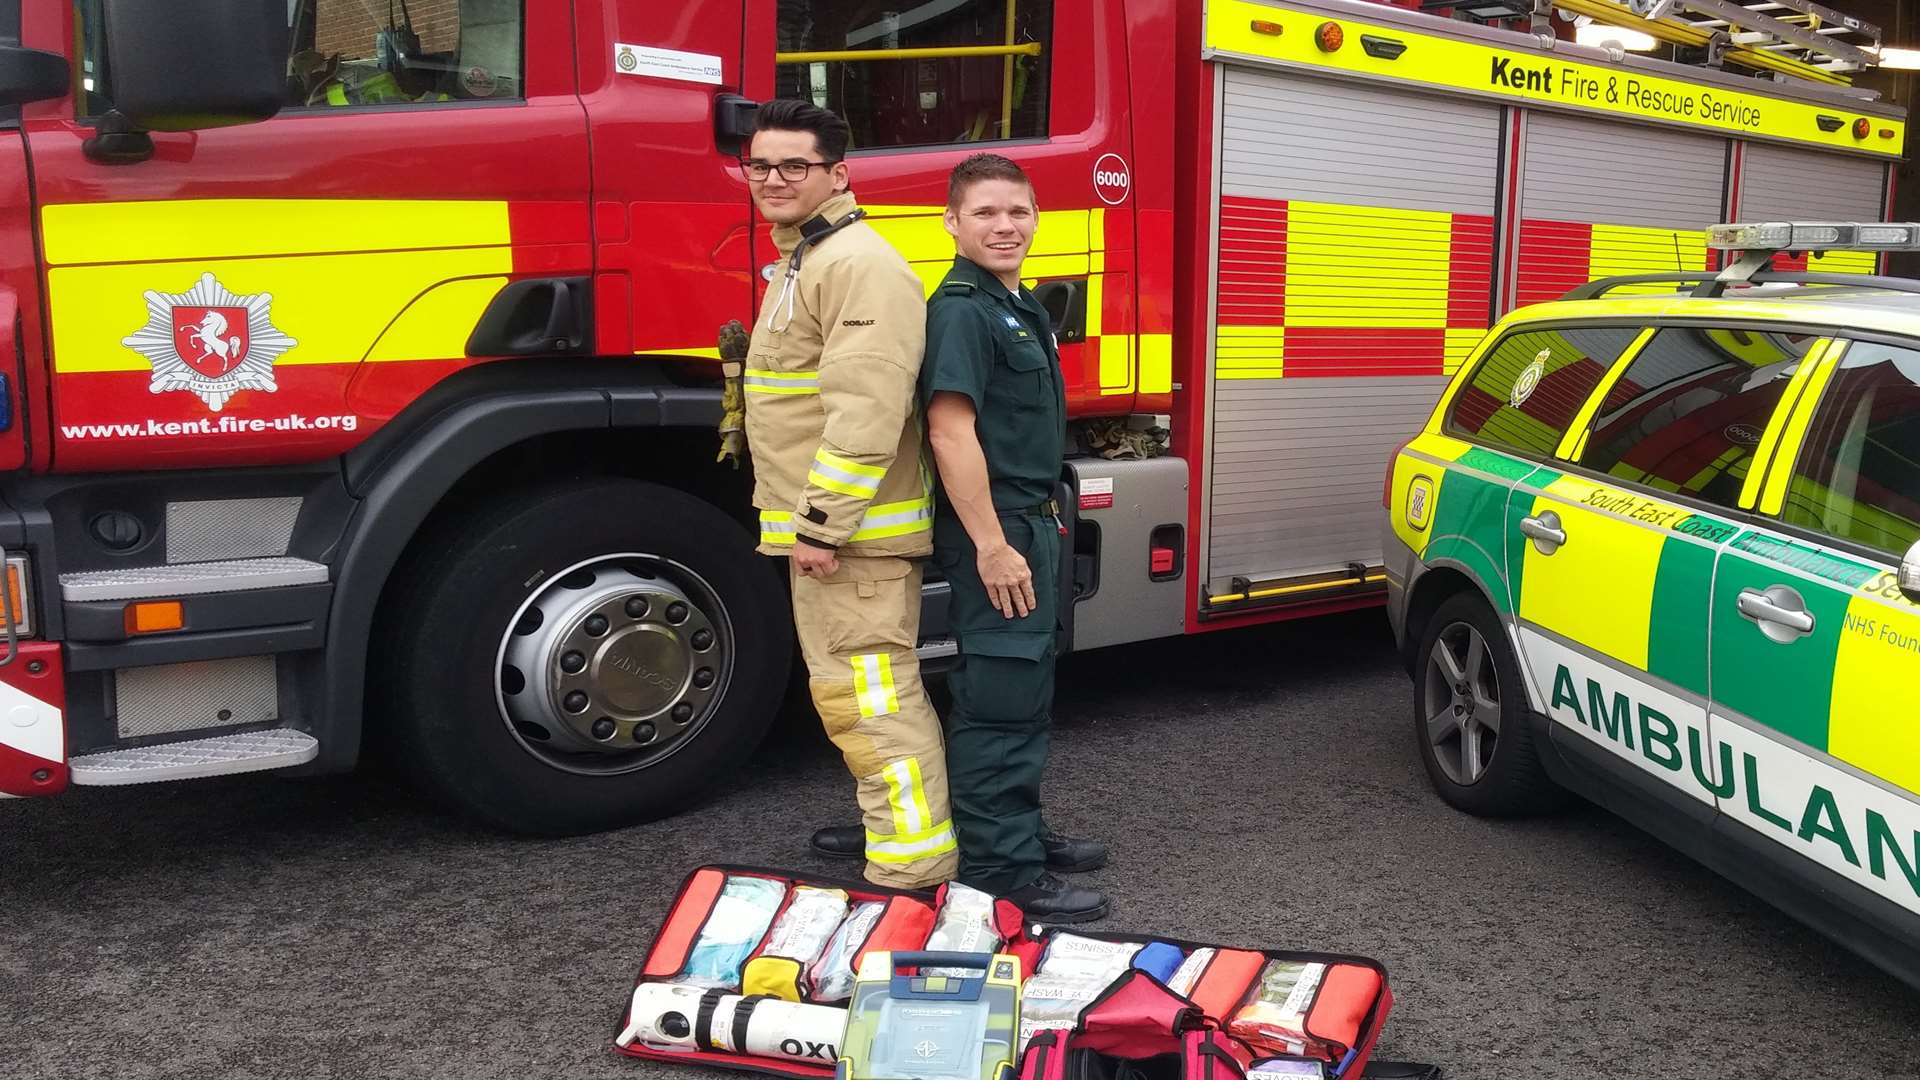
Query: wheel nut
703	640
604	728
703	678
637	608
573	663
643	733
576	701
676	613
596	625
682	713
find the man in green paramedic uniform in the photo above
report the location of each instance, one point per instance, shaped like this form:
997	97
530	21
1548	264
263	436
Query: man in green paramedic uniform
996	419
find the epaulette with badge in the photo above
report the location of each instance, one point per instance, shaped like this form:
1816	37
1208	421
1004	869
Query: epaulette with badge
958	288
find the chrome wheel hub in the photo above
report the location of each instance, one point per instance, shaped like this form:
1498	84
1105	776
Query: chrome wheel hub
1460	704
614	663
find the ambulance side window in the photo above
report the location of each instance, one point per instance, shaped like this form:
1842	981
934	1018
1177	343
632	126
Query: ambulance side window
1530	386
850	56
368	52
1689	411
1858	477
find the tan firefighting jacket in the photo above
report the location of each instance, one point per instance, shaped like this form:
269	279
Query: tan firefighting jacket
829	380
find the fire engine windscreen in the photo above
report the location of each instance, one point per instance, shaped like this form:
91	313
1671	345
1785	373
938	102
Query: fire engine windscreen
848	56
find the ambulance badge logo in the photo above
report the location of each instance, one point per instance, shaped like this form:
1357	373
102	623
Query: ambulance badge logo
1529	380
210	341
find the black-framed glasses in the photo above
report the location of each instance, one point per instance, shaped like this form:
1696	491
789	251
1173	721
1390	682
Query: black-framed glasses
792	171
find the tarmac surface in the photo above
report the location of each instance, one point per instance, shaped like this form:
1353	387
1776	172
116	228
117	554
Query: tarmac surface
1258	787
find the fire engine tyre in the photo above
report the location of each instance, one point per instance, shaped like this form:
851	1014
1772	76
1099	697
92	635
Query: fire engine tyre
583	657
1470	716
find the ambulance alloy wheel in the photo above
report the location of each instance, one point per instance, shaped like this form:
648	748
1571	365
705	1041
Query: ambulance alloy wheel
584	656
1470	715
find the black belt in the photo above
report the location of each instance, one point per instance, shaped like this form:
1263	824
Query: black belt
1048	509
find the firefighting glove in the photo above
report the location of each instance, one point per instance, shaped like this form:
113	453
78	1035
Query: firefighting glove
733	398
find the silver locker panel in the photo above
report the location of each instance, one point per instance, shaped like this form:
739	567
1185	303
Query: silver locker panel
1298	466
1782	183
1297	463
1576	169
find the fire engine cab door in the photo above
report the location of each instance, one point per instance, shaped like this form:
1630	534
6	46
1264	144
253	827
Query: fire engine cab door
672	210
1354	269
273	292
21	358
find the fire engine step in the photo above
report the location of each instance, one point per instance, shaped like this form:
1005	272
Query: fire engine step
937	649
191	579
249	751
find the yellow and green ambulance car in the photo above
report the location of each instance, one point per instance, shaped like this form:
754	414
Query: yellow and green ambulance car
1664	551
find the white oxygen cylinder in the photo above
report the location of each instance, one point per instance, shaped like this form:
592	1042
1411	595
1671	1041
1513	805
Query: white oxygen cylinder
669	1016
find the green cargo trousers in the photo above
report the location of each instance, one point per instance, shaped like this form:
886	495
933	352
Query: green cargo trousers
1002	688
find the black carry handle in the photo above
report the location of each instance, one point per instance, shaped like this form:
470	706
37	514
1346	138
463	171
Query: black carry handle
980	960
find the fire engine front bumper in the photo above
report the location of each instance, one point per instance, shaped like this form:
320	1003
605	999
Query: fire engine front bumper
33	729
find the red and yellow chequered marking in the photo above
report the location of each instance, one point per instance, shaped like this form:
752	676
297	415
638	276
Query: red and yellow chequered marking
1559	256
351	280
1328	289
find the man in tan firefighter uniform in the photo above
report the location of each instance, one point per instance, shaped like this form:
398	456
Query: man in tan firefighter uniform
842	488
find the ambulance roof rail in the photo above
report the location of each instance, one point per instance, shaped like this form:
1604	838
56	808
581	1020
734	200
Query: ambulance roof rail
1711	284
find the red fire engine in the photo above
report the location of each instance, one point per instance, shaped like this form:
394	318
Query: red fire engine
362	387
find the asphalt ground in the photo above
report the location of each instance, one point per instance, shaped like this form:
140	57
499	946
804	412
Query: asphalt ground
1258	788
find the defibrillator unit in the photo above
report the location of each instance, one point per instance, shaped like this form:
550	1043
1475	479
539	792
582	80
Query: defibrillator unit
932	1016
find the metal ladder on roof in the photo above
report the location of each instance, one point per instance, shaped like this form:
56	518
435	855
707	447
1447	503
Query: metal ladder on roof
1787	39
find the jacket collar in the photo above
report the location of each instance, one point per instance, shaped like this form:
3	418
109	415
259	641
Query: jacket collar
787	237
965	269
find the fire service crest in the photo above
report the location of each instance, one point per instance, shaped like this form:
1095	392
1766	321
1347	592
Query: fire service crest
211	341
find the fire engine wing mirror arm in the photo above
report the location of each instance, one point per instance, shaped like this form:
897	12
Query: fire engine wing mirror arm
733	123
29	75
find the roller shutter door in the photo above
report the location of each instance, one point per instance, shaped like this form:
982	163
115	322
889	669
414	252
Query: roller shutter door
1781	183
1355	272
1600	198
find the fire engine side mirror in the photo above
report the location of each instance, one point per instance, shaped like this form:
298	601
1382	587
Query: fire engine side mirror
1910	574
189	64
31	75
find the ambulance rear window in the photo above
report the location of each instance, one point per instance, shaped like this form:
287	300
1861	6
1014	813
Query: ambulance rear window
952	72
1689	411
1530	386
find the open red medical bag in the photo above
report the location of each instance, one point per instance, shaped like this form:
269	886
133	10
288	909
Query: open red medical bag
1263	1014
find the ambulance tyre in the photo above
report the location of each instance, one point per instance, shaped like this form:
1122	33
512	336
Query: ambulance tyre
580	657
1470	715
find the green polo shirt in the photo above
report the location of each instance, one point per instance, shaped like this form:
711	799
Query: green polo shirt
997	348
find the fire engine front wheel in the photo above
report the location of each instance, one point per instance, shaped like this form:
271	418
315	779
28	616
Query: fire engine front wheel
583	657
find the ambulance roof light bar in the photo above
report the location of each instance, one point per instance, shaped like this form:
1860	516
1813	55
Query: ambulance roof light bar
1754	244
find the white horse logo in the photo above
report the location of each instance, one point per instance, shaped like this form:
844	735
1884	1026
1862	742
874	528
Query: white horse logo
210	336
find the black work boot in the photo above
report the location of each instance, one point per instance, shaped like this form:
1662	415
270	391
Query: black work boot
1050	900
840	841
1068	855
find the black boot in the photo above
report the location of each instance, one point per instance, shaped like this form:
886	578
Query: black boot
840	841
1067	855
1050	900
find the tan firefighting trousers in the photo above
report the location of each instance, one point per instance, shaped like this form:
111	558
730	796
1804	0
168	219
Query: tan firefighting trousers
857	631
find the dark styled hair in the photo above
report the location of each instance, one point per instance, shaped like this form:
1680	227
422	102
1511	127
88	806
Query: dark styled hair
977	167
830	133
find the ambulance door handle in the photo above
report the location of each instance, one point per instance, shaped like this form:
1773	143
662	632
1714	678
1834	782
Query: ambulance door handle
1545	531
1779	612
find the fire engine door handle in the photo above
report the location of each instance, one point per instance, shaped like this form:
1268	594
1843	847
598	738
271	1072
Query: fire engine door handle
1066	304
733	123
1545	531
1779	612
537	317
